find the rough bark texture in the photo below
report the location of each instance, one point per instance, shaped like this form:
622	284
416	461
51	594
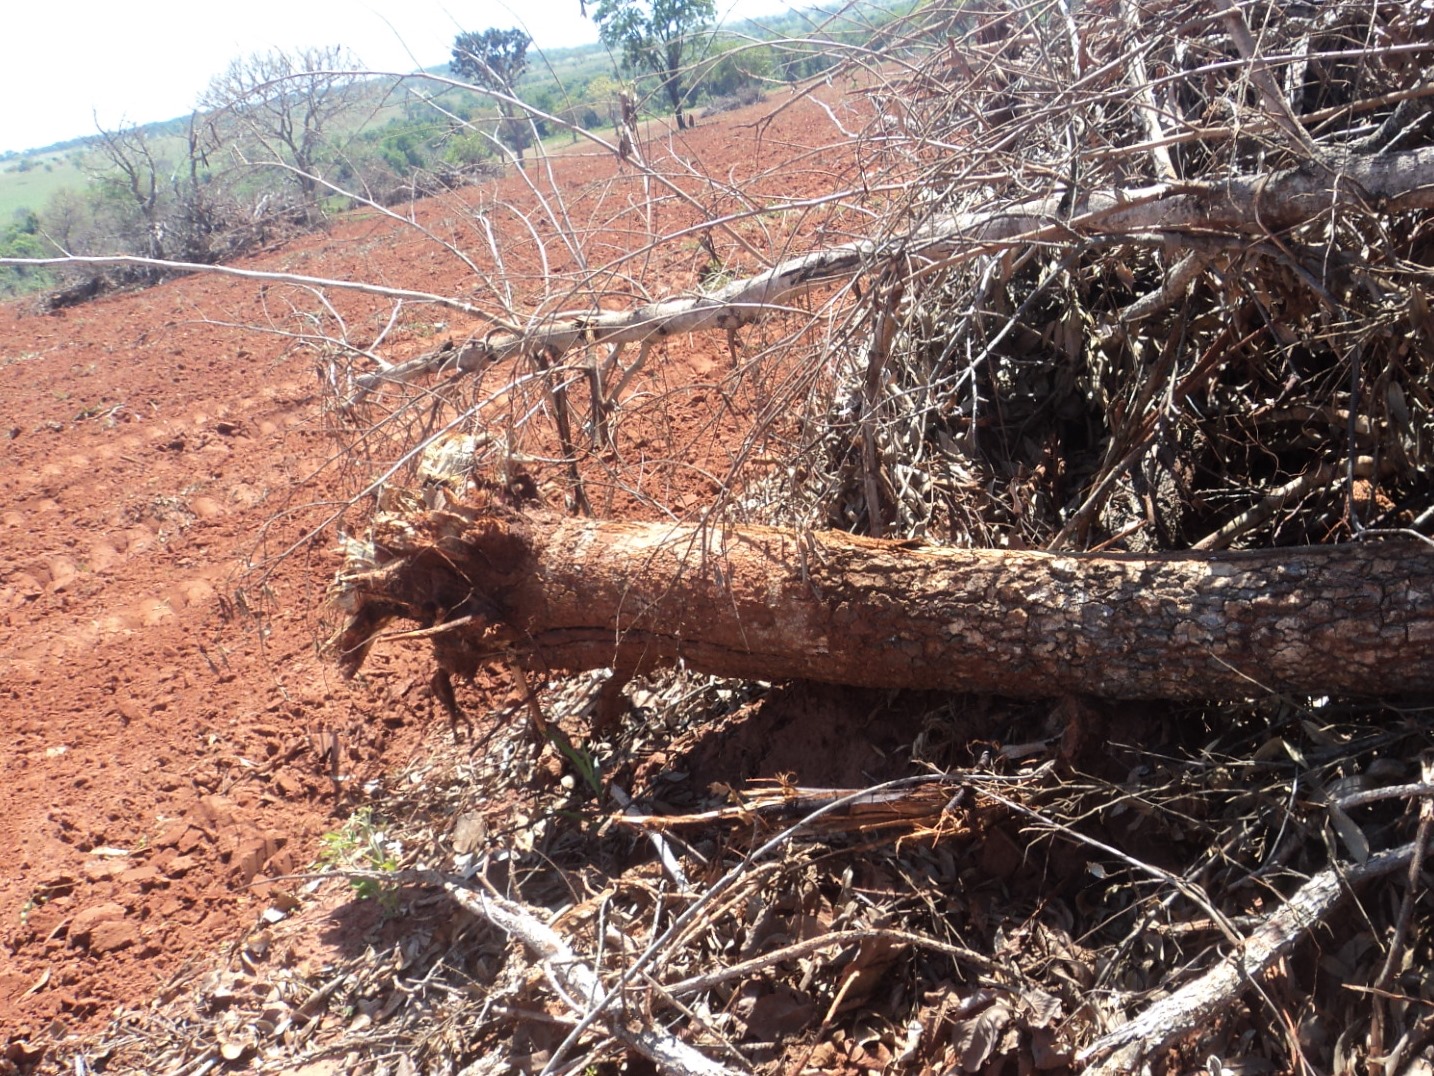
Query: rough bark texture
762	603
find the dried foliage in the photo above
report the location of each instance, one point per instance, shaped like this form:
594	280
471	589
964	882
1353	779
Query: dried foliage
1007	909
1081	378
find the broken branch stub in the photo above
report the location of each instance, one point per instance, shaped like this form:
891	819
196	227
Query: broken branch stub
771	604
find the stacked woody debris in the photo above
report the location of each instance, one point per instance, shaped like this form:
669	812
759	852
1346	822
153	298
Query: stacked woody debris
1216	332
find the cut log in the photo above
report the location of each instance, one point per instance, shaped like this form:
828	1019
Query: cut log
769	604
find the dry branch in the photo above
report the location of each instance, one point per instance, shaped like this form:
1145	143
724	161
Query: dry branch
1195	1005
580	982
321	283
1240	208
771	604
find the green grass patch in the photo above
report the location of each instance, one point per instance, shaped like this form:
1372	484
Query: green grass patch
30	182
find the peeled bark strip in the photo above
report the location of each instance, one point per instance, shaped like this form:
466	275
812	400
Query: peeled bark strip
763	603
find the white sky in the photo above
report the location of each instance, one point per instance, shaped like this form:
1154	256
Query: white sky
63	61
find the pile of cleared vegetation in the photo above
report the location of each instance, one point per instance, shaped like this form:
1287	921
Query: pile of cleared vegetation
1137	289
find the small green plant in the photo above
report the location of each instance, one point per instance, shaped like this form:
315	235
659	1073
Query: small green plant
585	762
360	843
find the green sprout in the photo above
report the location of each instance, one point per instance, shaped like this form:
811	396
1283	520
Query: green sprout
360	843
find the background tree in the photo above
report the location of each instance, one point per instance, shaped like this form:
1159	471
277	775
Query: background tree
652	35
125	207
20	238
737	66
204	223
130	166
289	103
495	60
151	194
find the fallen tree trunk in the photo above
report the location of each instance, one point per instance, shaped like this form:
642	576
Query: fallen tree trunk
769	604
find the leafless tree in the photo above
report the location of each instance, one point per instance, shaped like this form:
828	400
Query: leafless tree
286	105
128	152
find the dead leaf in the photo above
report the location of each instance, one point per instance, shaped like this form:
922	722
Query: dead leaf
1042	1009
39	985
859	978
469	832
1350	834
1049	1050
780	1014
975	1039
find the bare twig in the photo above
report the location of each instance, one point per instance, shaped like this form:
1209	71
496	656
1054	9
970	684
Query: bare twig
266	276
1197	1004
700	906
1277	106
579	981
1396	951
1249	205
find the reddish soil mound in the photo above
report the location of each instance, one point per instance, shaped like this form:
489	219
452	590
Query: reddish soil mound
172	731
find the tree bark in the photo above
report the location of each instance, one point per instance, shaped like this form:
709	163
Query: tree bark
769	604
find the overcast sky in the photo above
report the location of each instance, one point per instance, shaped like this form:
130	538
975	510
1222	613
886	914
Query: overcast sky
63	61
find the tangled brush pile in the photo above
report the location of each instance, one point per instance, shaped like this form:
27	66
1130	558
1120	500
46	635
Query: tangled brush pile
1163	353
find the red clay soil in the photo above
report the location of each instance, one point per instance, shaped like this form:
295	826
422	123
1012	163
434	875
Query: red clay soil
171	731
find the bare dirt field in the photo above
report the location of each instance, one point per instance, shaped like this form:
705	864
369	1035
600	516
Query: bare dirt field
171	732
